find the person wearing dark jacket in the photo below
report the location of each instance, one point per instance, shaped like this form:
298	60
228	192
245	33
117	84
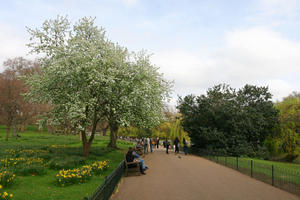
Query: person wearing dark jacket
185	146
176	143
130	157
167	145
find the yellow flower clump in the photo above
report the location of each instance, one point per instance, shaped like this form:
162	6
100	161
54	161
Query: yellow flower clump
80	175
4	195
6	177
99	166
72	176
11	162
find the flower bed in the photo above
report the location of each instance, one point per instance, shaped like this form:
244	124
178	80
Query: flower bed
99	166
80	175
6	177
72	176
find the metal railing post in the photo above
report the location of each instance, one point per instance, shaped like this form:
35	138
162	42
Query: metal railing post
237	163
225	160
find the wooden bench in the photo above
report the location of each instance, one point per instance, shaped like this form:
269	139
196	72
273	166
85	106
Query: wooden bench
135	167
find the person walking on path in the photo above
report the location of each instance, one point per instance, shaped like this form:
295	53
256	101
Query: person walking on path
176	143
167	145
148	144
157	143
151	145
145	146
185	147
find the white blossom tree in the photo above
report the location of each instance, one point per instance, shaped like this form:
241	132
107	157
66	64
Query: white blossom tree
88	79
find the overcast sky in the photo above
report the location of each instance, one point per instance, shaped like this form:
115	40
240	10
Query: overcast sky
197	44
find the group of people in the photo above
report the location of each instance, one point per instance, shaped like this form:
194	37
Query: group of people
145	143
176	143
148	143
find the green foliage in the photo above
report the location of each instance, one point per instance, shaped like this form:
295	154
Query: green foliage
134	132
272	146
163	130
86	78
287	133
229	121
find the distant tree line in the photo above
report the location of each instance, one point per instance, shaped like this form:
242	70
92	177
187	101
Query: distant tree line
170	127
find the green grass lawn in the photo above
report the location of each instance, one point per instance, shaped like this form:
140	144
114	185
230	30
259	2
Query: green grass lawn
284	173
40	187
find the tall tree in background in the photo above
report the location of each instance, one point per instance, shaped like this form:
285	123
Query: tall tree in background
14	110
87	79
289	130
229	121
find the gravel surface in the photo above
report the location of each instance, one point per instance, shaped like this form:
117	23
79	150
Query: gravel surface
193	178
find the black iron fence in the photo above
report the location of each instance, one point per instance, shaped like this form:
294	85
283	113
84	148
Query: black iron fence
106	189
284	178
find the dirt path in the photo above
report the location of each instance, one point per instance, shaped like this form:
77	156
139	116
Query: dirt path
193	178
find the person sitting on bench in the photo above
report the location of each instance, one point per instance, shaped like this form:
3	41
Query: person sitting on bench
130	158
140	160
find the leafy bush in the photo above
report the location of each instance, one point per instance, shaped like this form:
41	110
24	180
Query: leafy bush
235	120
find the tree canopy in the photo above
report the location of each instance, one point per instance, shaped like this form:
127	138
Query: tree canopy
287	136
229	121
88	79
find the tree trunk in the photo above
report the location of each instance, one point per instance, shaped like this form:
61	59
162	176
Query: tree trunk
86	148
85	144
104	131
14	132
113	135
7	132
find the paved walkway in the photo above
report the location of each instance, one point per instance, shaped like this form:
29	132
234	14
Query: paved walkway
193	178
